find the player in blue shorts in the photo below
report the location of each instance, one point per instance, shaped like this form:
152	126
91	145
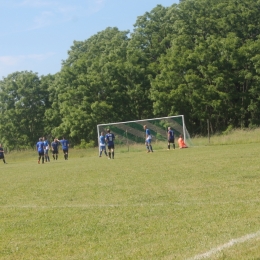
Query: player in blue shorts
102	144
40	149
148	140
110	137
170	136
65	147
46	149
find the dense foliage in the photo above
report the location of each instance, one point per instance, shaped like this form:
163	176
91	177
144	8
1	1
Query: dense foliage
199	58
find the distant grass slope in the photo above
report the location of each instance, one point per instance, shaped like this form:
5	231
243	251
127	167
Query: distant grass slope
236	136
173	204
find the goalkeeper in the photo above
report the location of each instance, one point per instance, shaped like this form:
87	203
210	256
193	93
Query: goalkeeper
181	143
148	140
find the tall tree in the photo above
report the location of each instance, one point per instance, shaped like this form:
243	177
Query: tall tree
23	100
150	39
91	87
209	71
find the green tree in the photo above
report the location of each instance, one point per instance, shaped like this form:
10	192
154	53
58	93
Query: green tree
210	70
23	100
92	83
150	39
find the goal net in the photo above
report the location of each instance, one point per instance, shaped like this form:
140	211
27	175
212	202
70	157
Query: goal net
131	133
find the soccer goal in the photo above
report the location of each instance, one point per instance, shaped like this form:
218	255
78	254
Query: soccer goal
131	133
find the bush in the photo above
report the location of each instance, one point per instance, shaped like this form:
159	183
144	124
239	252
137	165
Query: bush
83	144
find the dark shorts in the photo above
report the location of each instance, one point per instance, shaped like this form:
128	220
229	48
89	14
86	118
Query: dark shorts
112	146
171	141
55	151
41	153
65	150
2	156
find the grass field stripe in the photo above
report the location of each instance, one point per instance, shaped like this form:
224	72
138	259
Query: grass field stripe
231	243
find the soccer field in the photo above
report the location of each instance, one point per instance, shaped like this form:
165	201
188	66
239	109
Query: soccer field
196	203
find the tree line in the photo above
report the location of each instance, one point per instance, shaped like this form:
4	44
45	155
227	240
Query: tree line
198	58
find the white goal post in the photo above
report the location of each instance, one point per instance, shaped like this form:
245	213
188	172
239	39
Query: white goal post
131	132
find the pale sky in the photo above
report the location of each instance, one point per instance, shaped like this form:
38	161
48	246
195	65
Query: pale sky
36	35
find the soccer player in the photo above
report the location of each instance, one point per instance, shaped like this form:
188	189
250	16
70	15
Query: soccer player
102	144
148	140
46	149
65	147
181	143
110	137
170	138
2	156
55	149
40	148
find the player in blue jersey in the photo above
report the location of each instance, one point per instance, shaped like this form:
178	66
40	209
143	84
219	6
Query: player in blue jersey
46	149
65	147
2	156
102	144
170	136
148	140
55	149
40	149
110	144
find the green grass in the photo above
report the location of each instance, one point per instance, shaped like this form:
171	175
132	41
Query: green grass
173	204
238	136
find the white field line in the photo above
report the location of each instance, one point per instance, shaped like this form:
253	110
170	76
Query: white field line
184	204
231	243
80	206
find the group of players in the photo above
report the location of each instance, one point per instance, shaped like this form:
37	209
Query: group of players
43	148
170	139
110	137
109	140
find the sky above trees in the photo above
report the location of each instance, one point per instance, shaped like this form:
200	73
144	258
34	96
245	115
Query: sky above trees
37	34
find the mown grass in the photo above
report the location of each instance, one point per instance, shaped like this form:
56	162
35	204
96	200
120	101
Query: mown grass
173	204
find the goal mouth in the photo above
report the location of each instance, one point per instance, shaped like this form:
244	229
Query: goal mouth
132	133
